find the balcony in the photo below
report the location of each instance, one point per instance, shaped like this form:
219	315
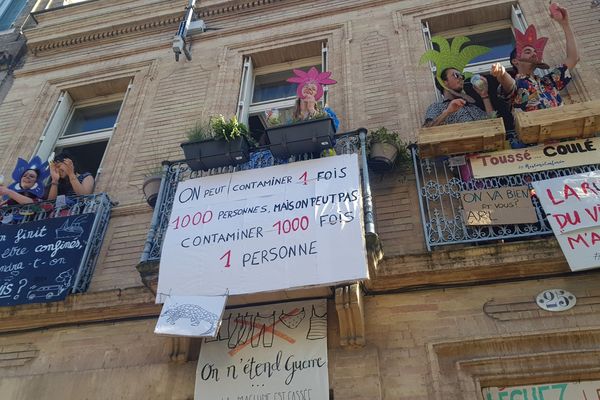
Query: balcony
178	171
65	237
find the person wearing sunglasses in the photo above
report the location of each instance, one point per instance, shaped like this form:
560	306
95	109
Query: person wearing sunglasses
66	180
28	187
457	106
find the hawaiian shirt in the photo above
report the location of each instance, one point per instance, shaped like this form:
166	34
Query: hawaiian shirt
467	113
535	93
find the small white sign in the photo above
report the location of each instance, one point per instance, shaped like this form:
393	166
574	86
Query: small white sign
556	300
196	316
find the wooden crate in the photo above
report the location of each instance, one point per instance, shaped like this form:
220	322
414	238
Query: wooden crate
581	120
468	137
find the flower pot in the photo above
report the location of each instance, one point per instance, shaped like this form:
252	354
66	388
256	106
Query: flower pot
207	154
382	157
311	136
150	188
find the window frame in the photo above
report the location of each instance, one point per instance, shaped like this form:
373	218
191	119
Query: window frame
52	136
5	6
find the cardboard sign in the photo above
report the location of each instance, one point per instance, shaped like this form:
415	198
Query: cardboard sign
274	352
498	206
538	158
266	229
196	316
39	260
550	391
572	204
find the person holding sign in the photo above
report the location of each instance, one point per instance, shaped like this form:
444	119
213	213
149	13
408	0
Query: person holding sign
66	181
28	186
527	91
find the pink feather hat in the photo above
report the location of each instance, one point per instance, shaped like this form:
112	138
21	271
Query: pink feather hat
530	39
313	76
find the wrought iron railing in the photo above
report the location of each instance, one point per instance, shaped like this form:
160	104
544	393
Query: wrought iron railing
99	204
440	185
177	171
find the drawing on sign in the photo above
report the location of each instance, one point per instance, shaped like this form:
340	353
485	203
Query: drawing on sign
318	326
194	313
292	320
50	291
71	230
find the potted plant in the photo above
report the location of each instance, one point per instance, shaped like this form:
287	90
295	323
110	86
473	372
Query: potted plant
151	185
301	136
218	143
385	150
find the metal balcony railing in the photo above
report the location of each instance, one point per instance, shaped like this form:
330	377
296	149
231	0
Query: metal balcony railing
439	187
98	204
178	171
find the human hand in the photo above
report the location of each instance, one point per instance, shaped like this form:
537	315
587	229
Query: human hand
67	166
54	174
559	14
455	105
4	190
497	70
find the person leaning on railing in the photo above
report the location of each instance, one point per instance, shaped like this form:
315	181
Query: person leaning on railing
66	180
28	187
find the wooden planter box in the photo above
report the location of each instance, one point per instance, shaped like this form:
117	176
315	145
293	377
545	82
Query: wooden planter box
311	136
581	120
468	137
207	154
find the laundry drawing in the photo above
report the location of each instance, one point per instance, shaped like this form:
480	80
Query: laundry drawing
292	320
318	326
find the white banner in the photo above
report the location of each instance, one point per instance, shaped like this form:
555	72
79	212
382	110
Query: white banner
288	226
589	390
274	352
572	204
196	316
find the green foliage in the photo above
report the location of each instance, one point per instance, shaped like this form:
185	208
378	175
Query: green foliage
200	131
383	135
219	128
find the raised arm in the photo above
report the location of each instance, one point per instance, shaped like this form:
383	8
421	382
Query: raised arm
560	15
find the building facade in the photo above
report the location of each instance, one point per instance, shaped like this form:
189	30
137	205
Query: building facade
448	311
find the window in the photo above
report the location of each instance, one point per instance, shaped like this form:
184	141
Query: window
9	11
83	122
264	85
490	26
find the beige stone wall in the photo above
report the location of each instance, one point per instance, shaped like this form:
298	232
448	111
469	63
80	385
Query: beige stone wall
431	344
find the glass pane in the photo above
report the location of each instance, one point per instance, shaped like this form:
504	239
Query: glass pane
500	43
87	119
273	86
11	13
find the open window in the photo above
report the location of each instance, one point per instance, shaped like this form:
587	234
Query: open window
491	27
264	86
83	122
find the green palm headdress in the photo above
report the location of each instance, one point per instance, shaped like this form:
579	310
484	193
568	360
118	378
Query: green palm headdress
452	56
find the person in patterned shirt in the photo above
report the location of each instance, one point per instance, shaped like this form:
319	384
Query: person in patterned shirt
457	106
527	91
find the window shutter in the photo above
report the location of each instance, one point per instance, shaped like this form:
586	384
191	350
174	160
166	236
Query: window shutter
429	46
517	19
55	125
324	67
246	88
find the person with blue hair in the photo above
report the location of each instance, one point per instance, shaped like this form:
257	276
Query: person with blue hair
28	185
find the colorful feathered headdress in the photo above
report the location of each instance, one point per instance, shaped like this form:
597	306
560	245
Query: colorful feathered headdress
313	76
452	56
35	164
530	39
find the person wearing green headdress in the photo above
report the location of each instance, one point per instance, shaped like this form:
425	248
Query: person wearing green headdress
457	106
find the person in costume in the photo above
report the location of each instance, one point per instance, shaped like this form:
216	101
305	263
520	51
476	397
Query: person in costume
527	91
65	180
457	106
309	91
28	185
